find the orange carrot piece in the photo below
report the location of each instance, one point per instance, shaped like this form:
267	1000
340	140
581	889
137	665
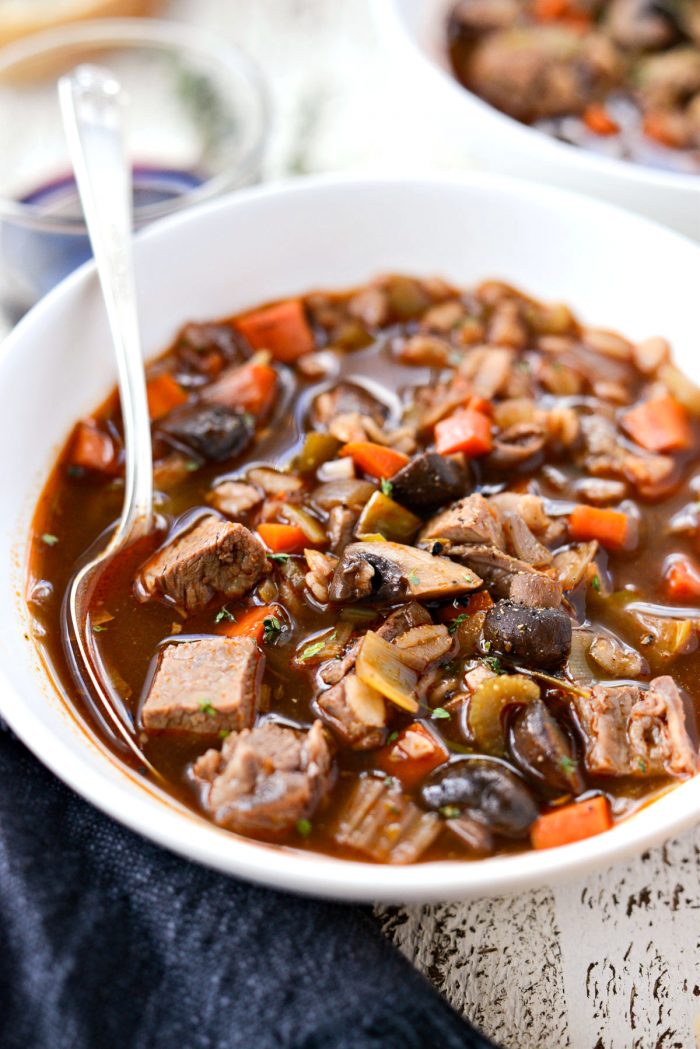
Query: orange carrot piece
550	10
468	431
250	387
250	624
598	120
574	822
664	127
375	459
281	328
479	602
661	425
164	393
682	579
609	527
93	449
415	753
283	538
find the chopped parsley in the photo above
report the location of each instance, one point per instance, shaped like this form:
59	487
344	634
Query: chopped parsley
494	664
304	827
486	646
387	487
191	465
391	782
595	582
393	737
413	579
207	708
279	557
97	628
49	539
224	613
642	765
224	732
439	714
566	764
449	812
271	629
457	622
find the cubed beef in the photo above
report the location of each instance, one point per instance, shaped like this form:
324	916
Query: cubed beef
213	559
509	577
211	431
471	520
205	686
264	780
205	348
634	732
382	823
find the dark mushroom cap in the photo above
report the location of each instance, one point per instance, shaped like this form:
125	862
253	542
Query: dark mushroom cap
430	480
211	431
536	637
542	750
487	790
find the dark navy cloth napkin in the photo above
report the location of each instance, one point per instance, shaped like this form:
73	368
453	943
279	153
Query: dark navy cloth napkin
108	942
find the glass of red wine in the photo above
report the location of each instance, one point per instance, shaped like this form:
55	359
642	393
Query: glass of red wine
198	120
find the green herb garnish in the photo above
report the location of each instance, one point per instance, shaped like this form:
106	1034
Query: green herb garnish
224	613
494	664
279	557
97	628
595	582
439	714
312	650
393	737
413	579
449	812
304	827
75	471
271	629
224	732
566	764
387	487
49	539
207	708
191	465
457	622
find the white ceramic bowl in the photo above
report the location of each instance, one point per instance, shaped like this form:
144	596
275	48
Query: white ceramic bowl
416	28
615	269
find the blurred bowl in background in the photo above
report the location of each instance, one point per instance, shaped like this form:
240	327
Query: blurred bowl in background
197	126
19	18
417	29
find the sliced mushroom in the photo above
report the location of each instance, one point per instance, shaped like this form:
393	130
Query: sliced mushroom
542	750
537	637
617	658
516	446
485	790
428	481
392	572
212	430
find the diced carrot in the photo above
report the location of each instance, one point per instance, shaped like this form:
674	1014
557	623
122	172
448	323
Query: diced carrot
550	10
664	127
479	602
250	387
609	527
682	578
93	449
374	459
250	624
480	404
598	120
164	393
283	538
282	329
414	754
467	431
661	425
574	822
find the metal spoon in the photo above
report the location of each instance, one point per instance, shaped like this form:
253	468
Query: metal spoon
92	105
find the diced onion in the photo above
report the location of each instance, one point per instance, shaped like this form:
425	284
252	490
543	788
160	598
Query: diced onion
380	666
336	470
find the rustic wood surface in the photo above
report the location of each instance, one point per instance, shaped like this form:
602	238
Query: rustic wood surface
609	962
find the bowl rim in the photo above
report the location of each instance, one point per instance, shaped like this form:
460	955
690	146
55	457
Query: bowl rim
389	19
155	34
283	867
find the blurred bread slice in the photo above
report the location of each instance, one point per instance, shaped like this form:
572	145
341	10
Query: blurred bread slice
19	18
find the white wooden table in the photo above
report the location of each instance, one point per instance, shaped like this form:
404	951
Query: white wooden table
611	962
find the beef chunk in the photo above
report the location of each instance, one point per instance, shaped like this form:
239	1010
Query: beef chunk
205	686
211	431
383	824
213	559
430	480
204	348
264	780
632	732
472	520
356	713
393	572
537	637
535	590
234	498
507	576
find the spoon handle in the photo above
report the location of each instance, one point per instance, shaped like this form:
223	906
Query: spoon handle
92	106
